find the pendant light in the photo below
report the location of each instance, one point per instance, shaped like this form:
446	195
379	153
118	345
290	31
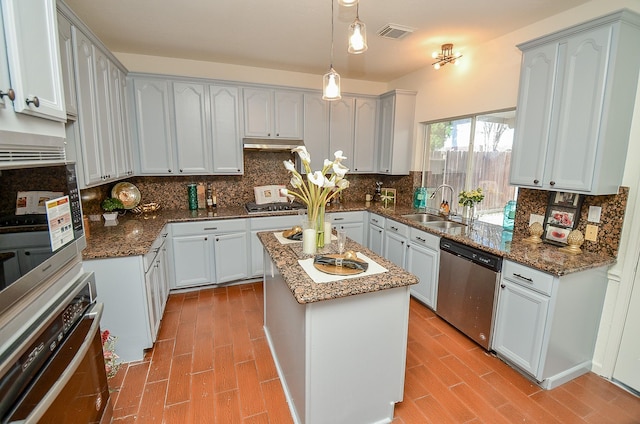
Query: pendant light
331	80
347	3
357	35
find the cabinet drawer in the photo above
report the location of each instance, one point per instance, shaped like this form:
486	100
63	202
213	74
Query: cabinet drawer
155	248
377	220
342	217
270	222
396	227
217	226
528	277
424	239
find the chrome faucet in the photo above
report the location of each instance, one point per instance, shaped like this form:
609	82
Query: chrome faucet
443	186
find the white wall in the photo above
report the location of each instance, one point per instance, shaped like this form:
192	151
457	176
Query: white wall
487	80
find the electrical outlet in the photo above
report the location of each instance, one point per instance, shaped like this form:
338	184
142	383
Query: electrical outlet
591	233
536	218
594	214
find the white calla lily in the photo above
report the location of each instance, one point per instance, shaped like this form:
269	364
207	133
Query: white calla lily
296	180
338	156
339	169
342	184
303	153
289	166
316	178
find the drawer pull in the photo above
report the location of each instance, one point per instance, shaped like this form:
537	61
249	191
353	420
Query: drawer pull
338	219
35	101
523	277
394	228
421	239
502	286
374	220
210	228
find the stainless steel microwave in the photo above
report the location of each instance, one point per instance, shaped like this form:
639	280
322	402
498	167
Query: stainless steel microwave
40	226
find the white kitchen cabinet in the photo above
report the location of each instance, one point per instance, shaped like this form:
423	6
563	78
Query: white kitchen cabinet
225	130
191	126
272	113
395	132
265	223
67	67
152	122
208	252
423	260
575	106
134	293
341	129
120	119
33	56
316	128
547	326
395	242
106	139
376	233
364	137
351	222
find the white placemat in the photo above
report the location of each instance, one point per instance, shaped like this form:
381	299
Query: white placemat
321	277
283	240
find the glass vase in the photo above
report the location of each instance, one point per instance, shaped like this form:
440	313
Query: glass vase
468	213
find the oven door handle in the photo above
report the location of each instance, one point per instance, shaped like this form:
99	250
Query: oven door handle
94	314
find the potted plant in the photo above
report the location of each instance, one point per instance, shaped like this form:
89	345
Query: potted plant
111	206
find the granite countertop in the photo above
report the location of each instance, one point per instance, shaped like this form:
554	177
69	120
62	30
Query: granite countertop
305	290
135	234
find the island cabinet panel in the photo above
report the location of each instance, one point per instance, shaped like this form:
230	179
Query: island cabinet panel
340	360
575	106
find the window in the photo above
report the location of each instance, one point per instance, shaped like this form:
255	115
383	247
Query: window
467	153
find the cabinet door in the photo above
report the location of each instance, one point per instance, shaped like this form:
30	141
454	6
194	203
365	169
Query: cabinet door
192	257
316	128
225	129
395	248
67	67
153	300
103	112
364	140
31	37
258	112
153	129
288	114
87	120
341	129
424	263
5	82
376	239
519	327
387	105
355	231
231	257
122	142
191	118
578	107
535	99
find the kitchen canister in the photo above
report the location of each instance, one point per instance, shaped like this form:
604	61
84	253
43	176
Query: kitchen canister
420	198
192	192
509	215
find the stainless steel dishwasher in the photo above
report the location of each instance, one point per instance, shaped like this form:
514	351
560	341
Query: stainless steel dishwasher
467	288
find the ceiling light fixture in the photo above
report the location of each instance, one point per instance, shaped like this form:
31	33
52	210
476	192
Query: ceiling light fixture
347	3
331	80
357	35
446	56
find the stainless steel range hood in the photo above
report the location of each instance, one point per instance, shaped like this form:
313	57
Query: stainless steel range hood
270	144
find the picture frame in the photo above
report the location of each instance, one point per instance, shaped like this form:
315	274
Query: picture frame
388	196
562	216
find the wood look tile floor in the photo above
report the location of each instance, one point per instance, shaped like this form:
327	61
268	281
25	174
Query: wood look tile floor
211	364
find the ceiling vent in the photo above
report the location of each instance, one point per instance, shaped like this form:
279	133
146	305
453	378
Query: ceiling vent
394	31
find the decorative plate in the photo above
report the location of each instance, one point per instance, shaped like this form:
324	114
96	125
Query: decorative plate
339	270
128	194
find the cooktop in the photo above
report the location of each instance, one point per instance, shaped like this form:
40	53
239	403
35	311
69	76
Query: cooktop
253	207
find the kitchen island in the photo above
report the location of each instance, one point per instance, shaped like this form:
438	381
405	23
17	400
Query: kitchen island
339	347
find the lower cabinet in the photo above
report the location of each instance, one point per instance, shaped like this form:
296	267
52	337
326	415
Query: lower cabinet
207	252
351	222
265	223
395	242
134	292
423	260
547	326
376	233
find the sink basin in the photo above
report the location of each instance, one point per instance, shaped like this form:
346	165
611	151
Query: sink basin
444	225
424	217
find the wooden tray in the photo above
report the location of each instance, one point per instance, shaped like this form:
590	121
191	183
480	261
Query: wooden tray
339	270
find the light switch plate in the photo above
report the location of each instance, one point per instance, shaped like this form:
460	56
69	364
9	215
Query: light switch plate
591	233
594	214
536	218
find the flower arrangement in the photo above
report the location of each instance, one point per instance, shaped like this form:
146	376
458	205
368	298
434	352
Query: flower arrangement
470	198
111	364
320	186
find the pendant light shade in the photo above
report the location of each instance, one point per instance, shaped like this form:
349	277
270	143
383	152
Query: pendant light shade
357	36
331	85
331	80
347	3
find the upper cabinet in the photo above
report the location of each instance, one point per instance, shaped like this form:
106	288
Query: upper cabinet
341	130
395	132
273	113
364	135
66	62
225	129
31	38
575	106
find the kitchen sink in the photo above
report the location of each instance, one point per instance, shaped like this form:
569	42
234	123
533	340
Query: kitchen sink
424	217
444	225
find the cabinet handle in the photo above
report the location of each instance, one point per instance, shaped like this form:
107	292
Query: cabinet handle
536	181
502	286
165	235
394	228
168	170
217	239
523	277
35	101
27	253
338	219
552	183
210	228
421	239
374	220
180	170
9	93
206	238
